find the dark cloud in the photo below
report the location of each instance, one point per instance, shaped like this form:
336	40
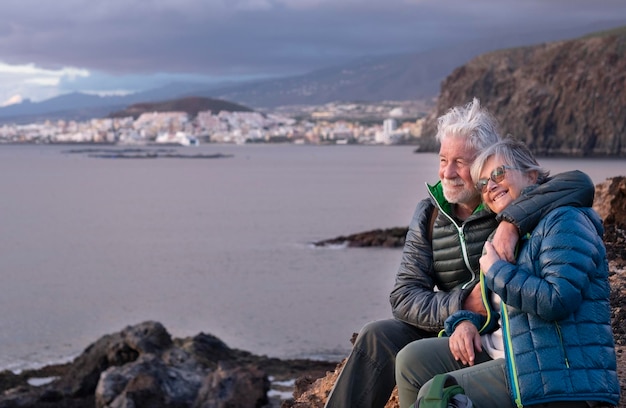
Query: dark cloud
265	37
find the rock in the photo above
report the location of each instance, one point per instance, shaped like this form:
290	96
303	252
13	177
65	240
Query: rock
314	394
143	366
115	349
237	386
83	375
610	201
148	337
388	238
208	349
610	204
148	380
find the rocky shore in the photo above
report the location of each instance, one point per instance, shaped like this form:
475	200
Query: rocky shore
387	238
143	366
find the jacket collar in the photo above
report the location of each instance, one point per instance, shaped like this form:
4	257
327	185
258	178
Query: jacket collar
436	192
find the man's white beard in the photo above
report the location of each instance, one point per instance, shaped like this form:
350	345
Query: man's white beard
456	196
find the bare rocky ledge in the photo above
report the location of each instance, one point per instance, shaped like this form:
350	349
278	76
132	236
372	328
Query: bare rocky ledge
387	238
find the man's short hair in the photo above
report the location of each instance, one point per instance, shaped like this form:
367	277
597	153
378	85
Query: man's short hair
472	122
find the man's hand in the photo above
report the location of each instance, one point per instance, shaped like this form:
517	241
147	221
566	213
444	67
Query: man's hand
489	258
474	302
464	341
505	239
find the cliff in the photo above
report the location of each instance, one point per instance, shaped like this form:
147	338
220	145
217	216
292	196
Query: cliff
561	98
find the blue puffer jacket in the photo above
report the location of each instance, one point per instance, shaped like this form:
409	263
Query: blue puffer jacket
556	314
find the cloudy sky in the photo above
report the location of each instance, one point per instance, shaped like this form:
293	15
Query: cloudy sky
117	46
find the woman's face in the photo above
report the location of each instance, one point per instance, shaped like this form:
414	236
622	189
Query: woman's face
498	195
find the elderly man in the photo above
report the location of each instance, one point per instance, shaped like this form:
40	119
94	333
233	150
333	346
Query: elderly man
439	268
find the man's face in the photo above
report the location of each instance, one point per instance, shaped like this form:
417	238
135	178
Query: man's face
455	160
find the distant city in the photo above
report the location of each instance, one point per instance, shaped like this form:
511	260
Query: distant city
382	123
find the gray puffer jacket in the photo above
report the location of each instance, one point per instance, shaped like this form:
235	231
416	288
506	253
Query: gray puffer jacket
450	262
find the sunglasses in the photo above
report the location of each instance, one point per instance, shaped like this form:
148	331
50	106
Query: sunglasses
497	175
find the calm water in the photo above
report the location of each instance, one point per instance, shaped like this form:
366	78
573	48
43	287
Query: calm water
220	246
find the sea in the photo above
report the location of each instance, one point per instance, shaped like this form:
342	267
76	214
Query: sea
90	245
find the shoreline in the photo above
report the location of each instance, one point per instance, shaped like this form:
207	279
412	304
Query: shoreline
147	346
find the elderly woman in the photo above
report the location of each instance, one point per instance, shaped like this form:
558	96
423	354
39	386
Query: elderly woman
547	339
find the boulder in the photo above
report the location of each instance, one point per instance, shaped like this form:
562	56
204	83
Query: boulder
610	201
143	366
236	386
150	381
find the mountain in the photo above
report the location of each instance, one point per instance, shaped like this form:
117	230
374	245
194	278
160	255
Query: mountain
190	105
410	76
561	98
79	106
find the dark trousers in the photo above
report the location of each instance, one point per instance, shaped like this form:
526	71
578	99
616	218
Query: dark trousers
368	377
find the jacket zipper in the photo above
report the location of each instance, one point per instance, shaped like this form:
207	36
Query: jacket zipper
508	352
563	351
461	234
461	231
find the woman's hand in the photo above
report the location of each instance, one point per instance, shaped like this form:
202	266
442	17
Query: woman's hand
489	258
464	341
